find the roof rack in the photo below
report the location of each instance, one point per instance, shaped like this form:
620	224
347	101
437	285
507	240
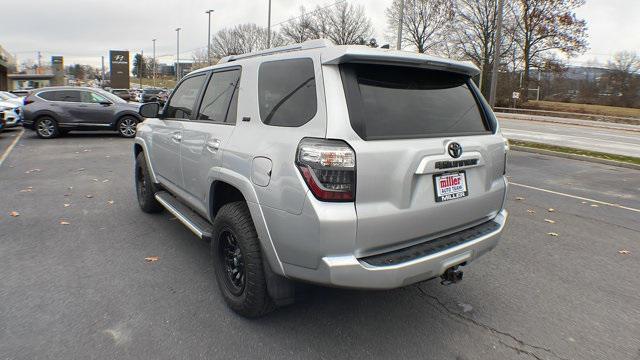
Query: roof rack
309	44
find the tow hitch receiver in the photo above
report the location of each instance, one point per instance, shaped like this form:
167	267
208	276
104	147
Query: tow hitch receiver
451	276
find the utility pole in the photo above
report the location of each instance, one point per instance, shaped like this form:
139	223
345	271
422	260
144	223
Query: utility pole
400	24
154	62
496	55
178	54
269	27
209	38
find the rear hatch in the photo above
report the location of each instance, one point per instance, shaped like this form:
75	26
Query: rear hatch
429	162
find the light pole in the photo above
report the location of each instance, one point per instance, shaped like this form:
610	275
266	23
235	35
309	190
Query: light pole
269	27
154	62
496	55
400	21
178	54
103	75
209	37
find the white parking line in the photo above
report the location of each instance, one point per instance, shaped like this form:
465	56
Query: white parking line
576	197
13	144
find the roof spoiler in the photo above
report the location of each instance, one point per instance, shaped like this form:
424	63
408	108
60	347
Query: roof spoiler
390	57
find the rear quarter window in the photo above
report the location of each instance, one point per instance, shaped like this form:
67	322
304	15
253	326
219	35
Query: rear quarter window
287	92
394	102
48	95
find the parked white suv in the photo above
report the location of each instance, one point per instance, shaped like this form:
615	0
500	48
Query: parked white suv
337	165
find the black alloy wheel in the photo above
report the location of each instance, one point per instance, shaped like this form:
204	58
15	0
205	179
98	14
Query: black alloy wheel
231	254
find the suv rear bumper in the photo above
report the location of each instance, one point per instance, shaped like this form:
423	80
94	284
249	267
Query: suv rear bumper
349	271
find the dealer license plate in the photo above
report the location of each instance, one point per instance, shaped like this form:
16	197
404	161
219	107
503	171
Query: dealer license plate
450	186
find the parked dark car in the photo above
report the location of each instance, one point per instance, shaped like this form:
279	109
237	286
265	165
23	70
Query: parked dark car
164	96
54	111
122	94
149	95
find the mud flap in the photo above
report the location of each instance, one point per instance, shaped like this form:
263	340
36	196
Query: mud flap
281	290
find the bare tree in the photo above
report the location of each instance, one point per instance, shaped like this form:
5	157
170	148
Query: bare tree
473	37
343	24
149	63
545	25
626	62
624	79
299	29
425	22
200	59
243	38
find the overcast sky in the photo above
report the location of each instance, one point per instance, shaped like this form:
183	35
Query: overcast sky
83	30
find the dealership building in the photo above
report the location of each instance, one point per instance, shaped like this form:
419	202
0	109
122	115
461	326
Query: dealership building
6	62
39	77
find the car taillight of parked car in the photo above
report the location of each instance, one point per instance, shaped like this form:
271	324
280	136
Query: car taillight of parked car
329	168
27	100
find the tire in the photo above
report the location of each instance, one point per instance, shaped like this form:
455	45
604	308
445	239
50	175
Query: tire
127	126
145	188
46	128
235	250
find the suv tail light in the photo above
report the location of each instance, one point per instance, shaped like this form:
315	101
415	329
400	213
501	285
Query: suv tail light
27	100
329	168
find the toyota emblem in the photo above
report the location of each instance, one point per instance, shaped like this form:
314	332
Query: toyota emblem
454	149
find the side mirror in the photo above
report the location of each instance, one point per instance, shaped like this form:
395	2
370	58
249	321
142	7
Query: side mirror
105	103
149	110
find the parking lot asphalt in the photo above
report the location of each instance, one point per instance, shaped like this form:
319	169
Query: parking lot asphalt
74	283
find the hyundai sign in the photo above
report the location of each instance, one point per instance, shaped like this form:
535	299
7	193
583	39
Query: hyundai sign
119	66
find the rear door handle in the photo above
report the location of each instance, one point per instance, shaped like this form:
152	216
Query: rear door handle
176	137
213	145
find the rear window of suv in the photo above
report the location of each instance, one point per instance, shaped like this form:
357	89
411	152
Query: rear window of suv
395	102
287	92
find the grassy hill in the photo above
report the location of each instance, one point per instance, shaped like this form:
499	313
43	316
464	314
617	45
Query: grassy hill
583	108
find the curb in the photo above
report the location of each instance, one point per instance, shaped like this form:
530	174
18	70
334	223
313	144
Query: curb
595	125
571	115
574	157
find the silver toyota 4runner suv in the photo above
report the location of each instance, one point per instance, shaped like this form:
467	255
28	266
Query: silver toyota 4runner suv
343	166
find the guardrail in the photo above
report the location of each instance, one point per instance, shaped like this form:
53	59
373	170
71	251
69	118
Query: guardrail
571	115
